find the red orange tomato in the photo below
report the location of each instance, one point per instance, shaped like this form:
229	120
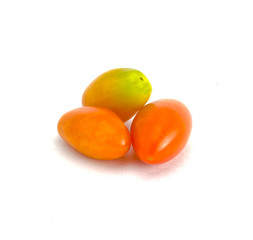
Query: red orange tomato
160	130
95	132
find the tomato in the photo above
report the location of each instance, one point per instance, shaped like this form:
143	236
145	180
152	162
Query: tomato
95	132
122	90
160	130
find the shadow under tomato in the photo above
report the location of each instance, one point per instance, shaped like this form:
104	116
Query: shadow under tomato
128	164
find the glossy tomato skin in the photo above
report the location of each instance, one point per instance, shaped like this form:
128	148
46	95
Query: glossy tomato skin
95	132
160	130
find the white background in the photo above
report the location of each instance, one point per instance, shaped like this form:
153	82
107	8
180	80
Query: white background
199	52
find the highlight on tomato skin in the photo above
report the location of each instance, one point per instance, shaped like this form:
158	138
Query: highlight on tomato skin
95	132
161	130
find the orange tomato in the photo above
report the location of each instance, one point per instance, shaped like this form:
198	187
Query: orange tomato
160	130
95	132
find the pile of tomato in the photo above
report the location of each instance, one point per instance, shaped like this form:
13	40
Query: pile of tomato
159	130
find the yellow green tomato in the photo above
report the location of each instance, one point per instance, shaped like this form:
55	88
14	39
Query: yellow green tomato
122	90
